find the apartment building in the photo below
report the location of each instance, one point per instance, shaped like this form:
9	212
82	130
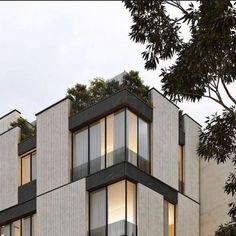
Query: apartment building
119	167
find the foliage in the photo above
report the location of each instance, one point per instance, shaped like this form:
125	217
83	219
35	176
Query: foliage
204	66
99	89
227	230
27	130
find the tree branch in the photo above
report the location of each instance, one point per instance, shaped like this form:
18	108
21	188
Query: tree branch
227	91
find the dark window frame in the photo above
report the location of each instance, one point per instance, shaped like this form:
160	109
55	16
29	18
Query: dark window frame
30	154
135	204
125	110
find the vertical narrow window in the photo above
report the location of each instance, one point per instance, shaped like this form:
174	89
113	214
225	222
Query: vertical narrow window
80	154
5	230
26	226
97	146
34	225
25	165
115	133
16	228
143	145
132	137
169	218
131	209
33	166
98	213
181	168
116	209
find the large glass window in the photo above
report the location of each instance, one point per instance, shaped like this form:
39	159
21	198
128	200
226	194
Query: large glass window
143	145
21	227
132	128
97	146
181	168
169	220
113	210
98	213
116	209
80	154
28	168
113	139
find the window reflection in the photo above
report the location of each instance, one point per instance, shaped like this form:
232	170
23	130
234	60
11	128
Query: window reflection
169	213
115	138
132	137
25	169
80	154
97	146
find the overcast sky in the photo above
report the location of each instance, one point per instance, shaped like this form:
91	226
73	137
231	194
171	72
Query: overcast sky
47	47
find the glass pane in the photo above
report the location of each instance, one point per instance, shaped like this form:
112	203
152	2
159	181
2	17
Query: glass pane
116	209
34	166
25	169
143	145
98	213
171	219
180	164
5	230
16	228
131	209
26	226
132	137
34	225
115	133
97	146
80	154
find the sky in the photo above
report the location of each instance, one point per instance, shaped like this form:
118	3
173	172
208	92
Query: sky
48	47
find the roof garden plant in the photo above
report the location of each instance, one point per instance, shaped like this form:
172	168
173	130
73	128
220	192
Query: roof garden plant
98	89
27	129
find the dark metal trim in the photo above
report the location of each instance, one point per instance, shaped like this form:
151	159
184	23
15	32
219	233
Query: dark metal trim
123	98
128	171
27	145
27	191
16	212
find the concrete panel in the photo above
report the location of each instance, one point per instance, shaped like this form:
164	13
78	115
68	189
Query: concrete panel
6	120
164	135
150	212
214	202
53	147
9	168
191	159
187	217
64	212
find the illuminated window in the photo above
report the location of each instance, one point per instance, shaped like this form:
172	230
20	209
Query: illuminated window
115	136
28	168
132	128
120	136
21	227
181	168
169	212
113	210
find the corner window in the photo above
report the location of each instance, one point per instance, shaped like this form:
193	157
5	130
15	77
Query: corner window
169	219
28	171
21	227
113	210
181	168
120	136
